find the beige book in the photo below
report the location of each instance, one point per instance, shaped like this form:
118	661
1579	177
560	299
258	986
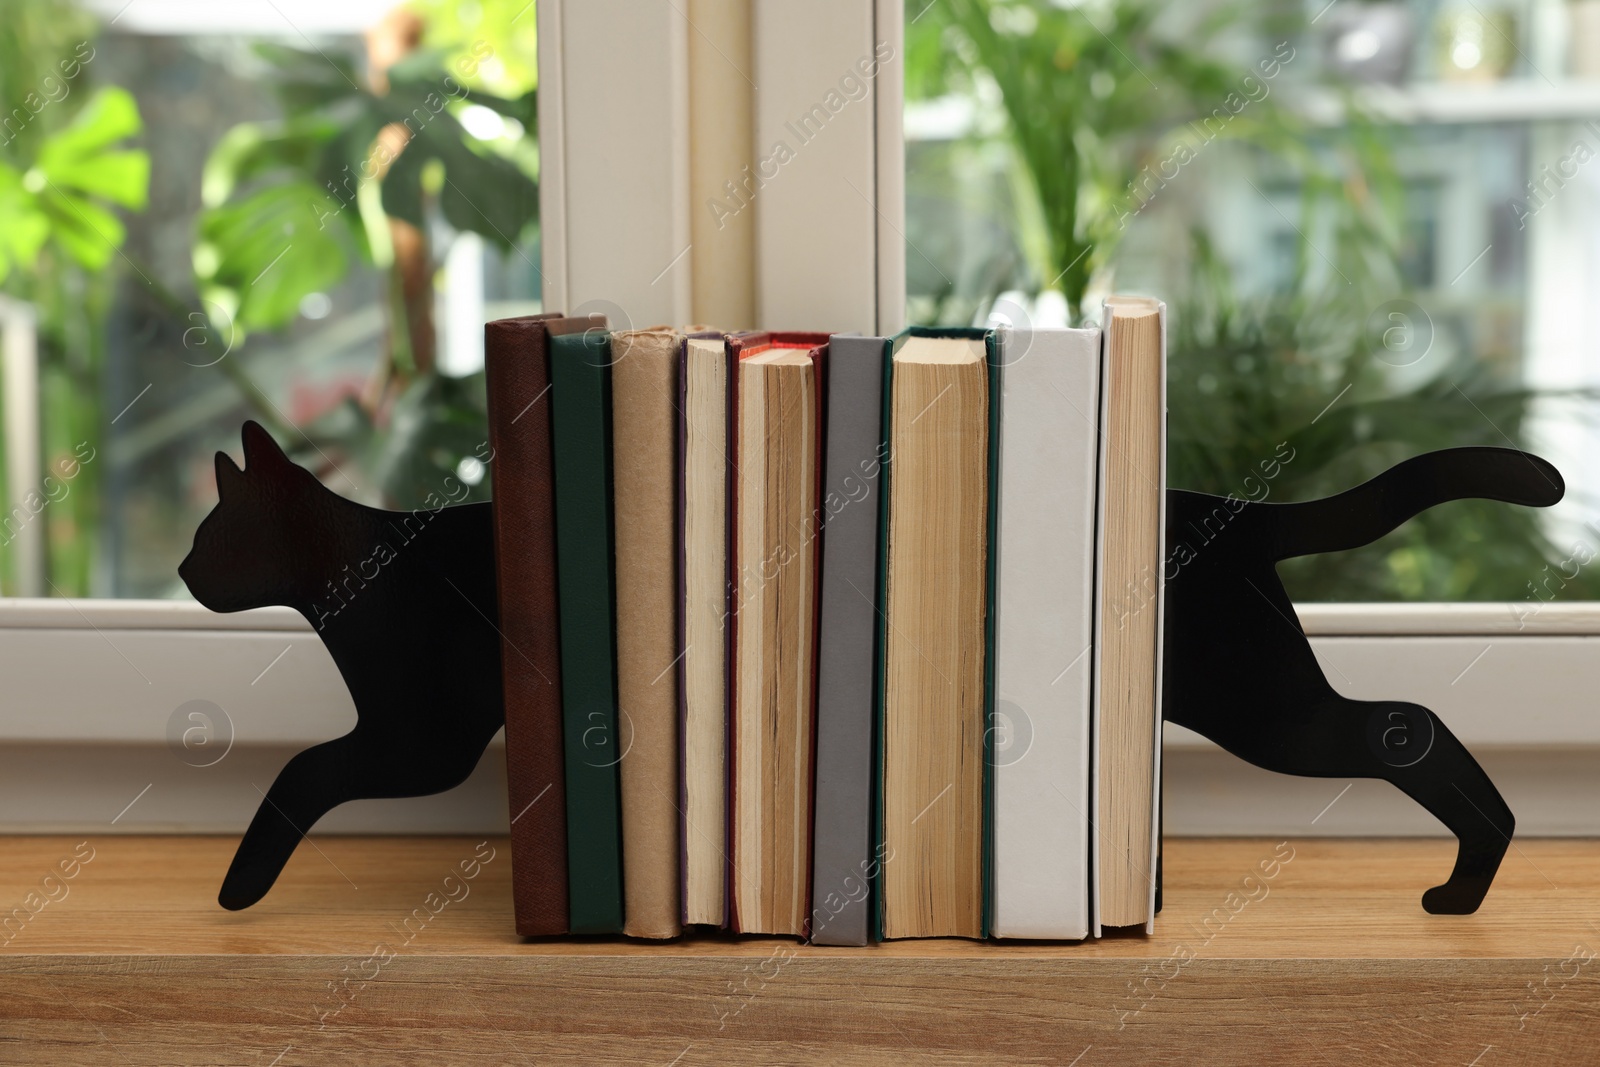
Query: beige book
643	435
705	609
774	637
1127	713
933	706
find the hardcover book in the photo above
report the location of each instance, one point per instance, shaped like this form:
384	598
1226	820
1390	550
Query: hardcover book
1129	580
581	380
936	636
776	385
517	366
644	371
1044	612
704	604
846	700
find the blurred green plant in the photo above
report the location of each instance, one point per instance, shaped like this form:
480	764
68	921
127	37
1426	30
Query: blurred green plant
1247	377
461	29
360	171
1092	93
61	198
65	169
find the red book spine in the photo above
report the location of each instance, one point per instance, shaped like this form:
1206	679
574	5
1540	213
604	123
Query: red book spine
517	365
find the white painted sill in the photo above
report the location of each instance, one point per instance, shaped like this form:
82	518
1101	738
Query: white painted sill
90	720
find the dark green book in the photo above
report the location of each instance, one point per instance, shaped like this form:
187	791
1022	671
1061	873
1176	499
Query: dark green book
580	380
991	345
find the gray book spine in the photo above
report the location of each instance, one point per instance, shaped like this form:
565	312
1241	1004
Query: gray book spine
842	867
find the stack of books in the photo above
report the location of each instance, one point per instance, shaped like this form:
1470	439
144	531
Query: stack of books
838	637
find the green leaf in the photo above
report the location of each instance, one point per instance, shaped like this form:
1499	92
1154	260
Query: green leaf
86	231
484	193
122	177
255	149
109	116
23	228
78	167
273	248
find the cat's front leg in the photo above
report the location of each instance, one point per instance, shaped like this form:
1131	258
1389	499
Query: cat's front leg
310	785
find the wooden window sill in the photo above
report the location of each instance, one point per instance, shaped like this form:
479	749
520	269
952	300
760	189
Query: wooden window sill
136	963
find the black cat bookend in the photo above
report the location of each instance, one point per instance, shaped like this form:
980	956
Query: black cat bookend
1240	671
405	603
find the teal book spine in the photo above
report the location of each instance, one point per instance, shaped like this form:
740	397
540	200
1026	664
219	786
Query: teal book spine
581	430
991	347
886	455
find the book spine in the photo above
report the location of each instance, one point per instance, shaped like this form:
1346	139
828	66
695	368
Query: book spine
990	555
680	461
1161	613
731	630
821	362
643	381
517	366
881	855
1097	641
581	386
1043	605
842	835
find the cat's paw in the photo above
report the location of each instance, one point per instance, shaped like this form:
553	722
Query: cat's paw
1455	897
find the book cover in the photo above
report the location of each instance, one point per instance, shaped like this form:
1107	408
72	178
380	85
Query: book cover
1044	605
644	508
580	377
517	367
843	863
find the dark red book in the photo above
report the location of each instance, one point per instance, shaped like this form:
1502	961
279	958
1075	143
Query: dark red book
517	366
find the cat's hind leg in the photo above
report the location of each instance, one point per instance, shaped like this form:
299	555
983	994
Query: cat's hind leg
1404	744
1422	758
309	786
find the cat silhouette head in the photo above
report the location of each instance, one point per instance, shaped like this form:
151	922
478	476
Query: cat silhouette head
251	550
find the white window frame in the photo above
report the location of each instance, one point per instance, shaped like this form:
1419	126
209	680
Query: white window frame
92	736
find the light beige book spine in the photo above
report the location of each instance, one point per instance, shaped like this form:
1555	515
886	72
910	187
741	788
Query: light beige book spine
643	436
705	611
933	699
775	654
1128	602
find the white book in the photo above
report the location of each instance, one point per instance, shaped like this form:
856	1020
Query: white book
1044	607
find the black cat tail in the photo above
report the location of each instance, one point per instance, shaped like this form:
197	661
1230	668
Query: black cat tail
1361	515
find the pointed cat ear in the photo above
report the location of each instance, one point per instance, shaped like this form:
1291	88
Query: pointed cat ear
229	476
260	449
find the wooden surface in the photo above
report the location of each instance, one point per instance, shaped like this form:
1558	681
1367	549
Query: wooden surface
1330	959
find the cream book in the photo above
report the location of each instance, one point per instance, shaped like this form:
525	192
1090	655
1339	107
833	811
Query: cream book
777	431
705	605
1128	599
1044	606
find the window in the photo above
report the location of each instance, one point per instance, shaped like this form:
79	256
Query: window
1373	226
1355	264
296	212
1367	253
250	246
